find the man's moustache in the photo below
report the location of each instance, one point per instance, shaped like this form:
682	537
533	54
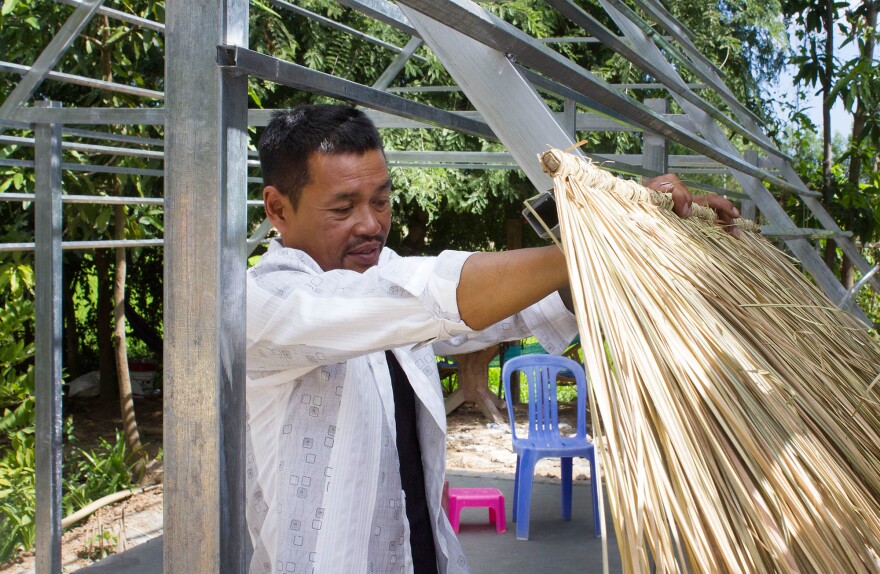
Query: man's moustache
364	241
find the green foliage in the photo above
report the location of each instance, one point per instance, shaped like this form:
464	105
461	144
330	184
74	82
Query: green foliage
88	476
17	493
100	545
850	187
96	473
16	341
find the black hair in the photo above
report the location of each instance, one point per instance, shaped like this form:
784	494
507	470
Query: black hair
294	135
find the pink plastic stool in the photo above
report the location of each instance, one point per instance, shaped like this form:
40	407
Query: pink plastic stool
490	498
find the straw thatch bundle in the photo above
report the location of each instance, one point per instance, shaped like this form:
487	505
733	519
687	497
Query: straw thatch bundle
733	404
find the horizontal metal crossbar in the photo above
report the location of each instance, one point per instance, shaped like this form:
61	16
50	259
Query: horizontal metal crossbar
88	148
122	16
102	244
444	89
84	81
784	233
302	78
88	168
341	27
92	116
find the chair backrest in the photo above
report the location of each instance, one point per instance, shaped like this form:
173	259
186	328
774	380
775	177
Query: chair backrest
541	372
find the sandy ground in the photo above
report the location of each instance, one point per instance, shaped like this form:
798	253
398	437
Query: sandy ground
473	445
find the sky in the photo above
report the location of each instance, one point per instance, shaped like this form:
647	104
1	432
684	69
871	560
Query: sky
841	120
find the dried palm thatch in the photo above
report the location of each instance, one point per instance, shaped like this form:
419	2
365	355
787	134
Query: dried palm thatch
740	423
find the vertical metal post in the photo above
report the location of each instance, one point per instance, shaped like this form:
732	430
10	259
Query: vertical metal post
655	152
47	368
569	118
205	242
748	210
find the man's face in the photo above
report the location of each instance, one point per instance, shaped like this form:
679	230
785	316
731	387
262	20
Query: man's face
344	212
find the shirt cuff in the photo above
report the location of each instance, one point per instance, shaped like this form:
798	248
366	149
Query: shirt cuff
551	323
433	280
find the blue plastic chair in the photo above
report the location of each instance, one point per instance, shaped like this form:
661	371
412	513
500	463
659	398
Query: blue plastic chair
544	439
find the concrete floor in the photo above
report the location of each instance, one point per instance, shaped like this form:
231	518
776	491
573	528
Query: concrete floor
553	546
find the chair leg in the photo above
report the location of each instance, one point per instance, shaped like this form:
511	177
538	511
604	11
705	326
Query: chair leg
523	500
500	518
454	513
566	487
516	487
594	487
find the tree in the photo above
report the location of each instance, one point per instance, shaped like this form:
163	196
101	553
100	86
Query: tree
849	184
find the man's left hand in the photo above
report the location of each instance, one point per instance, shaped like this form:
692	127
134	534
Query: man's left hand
682	200
724	210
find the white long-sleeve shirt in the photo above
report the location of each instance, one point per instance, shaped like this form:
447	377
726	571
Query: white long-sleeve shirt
323	479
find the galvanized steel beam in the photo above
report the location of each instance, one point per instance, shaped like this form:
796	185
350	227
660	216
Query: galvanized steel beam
88	148
81	245
426	89
121	16
696	64
92	134
524	124
47	364
341	27
383	11
655	149
83	81
87	168
205	264
397	65
92	116
302	78
823	217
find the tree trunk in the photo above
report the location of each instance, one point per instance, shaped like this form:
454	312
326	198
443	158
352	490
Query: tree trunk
416	224
830	254
104	328
473	380
846	272
826	78
859	118
71	328
514	230
861	114
126	400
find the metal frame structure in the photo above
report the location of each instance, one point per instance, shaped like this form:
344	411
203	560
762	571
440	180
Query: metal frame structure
208	63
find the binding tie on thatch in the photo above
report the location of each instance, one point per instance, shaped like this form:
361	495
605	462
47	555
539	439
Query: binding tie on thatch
557	163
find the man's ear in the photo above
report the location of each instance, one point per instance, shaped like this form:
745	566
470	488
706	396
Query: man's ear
276	204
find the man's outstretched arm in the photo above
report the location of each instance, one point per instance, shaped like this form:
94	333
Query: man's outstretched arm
494	286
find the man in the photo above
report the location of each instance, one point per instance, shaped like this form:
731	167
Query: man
346	432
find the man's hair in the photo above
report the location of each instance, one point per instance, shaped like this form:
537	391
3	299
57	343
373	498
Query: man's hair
294	135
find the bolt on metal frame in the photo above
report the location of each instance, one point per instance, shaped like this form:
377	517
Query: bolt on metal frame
205	172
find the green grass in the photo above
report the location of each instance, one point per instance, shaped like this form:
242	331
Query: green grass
564	393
